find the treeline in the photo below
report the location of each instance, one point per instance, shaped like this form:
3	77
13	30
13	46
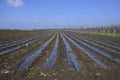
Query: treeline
23	29
110	29
10	30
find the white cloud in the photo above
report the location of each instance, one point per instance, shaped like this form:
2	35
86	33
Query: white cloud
15	3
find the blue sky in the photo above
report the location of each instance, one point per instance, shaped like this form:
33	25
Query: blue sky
31	14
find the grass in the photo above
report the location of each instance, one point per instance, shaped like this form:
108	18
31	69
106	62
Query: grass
98	33
105	34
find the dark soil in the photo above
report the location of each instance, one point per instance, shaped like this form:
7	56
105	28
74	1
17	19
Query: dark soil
61	70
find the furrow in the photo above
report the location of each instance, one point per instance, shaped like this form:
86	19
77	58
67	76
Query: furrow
97	50
31	58
6	44
104	44
109	45
98	45
20	46
20	42
72	58
16	43
53	55
91	55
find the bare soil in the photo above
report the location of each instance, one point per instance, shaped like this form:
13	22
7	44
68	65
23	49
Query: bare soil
61	70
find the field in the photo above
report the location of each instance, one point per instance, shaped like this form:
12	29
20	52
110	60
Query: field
58	55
